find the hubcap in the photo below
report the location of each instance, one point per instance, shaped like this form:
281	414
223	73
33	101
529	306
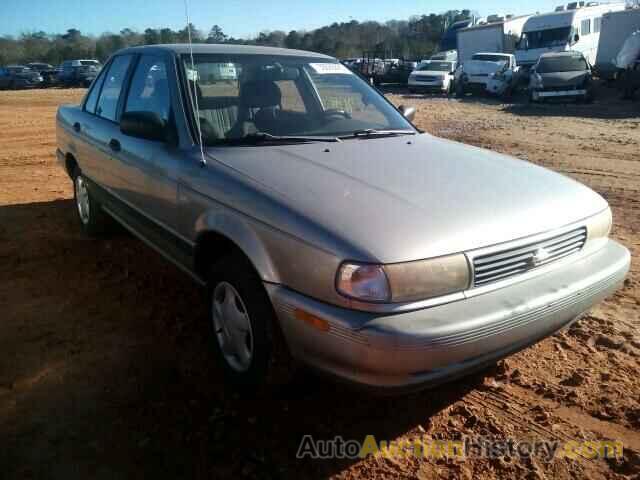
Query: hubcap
82	199
232	327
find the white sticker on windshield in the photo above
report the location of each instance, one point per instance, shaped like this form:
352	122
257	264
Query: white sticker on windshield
330	68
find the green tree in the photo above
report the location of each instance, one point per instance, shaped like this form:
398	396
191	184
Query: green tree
216	35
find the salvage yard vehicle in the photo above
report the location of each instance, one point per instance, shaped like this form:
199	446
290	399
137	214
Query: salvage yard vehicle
627	62
615	30
19	76
574	27
325	227
496	34
561	75
79	72
432	76
46	71
474	75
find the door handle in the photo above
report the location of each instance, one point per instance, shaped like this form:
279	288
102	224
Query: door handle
77	127
114	145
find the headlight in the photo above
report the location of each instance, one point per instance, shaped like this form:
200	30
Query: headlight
363	282
404	282
599	226
434	277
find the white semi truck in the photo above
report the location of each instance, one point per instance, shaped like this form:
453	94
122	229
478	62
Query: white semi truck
616	28
496	35
575	26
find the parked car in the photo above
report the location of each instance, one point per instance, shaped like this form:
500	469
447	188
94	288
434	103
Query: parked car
433	76
325	227
19	76
47	72
561	75
79	72
473	75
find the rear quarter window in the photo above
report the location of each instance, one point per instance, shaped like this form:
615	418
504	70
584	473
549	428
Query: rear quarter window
92	98
112	86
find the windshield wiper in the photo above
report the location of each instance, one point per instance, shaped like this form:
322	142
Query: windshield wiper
263	137
372	132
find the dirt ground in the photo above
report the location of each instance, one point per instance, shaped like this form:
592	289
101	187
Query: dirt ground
106	369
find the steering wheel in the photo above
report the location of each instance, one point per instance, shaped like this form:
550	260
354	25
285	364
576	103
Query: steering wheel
335	112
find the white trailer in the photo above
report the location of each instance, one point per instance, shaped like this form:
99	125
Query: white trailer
495	37
616	28
574	27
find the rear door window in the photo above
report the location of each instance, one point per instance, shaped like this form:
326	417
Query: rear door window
113	82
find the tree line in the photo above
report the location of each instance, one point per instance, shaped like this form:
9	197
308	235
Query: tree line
414	38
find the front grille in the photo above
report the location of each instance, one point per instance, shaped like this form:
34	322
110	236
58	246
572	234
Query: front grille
507	263
426	78
565	88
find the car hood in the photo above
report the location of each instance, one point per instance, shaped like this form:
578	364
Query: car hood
560	79
412	197
429	73
479	67
27	75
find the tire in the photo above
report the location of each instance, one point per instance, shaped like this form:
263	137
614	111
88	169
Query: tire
460	90
93	220
246	338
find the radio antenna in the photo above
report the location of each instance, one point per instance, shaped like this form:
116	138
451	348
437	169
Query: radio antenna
194	94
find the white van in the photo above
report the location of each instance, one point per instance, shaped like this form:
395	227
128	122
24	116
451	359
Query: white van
574	27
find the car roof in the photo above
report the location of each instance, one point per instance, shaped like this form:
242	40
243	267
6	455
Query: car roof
223	49
562	54
493	53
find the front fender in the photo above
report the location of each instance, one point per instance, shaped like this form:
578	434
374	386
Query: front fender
242	232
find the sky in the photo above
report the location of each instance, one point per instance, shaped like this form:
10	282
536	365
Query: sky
238	18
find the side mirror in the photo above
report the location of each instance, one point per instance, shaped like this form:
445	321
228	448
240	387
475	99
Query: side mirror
576	38
407	112
147	125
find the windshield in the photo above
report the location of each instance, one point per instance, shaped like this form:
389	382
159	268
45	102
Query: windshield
552	37
19	69
435	66
561	64
487	57
242	96
89	63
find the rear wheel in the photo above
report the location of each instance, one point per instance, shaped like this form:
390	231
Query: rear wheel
460	89
93	219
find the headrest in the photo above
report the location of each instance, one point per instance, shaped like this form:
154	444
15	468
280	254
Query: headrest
260	94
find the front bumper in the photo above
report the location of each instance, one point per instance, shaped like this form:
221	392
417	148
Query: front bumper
425	347
479	81
428	86
538	94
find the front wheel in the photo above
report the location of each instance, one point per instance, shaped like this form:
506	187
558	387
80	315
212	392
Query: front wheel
450	89
246	338
460	89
